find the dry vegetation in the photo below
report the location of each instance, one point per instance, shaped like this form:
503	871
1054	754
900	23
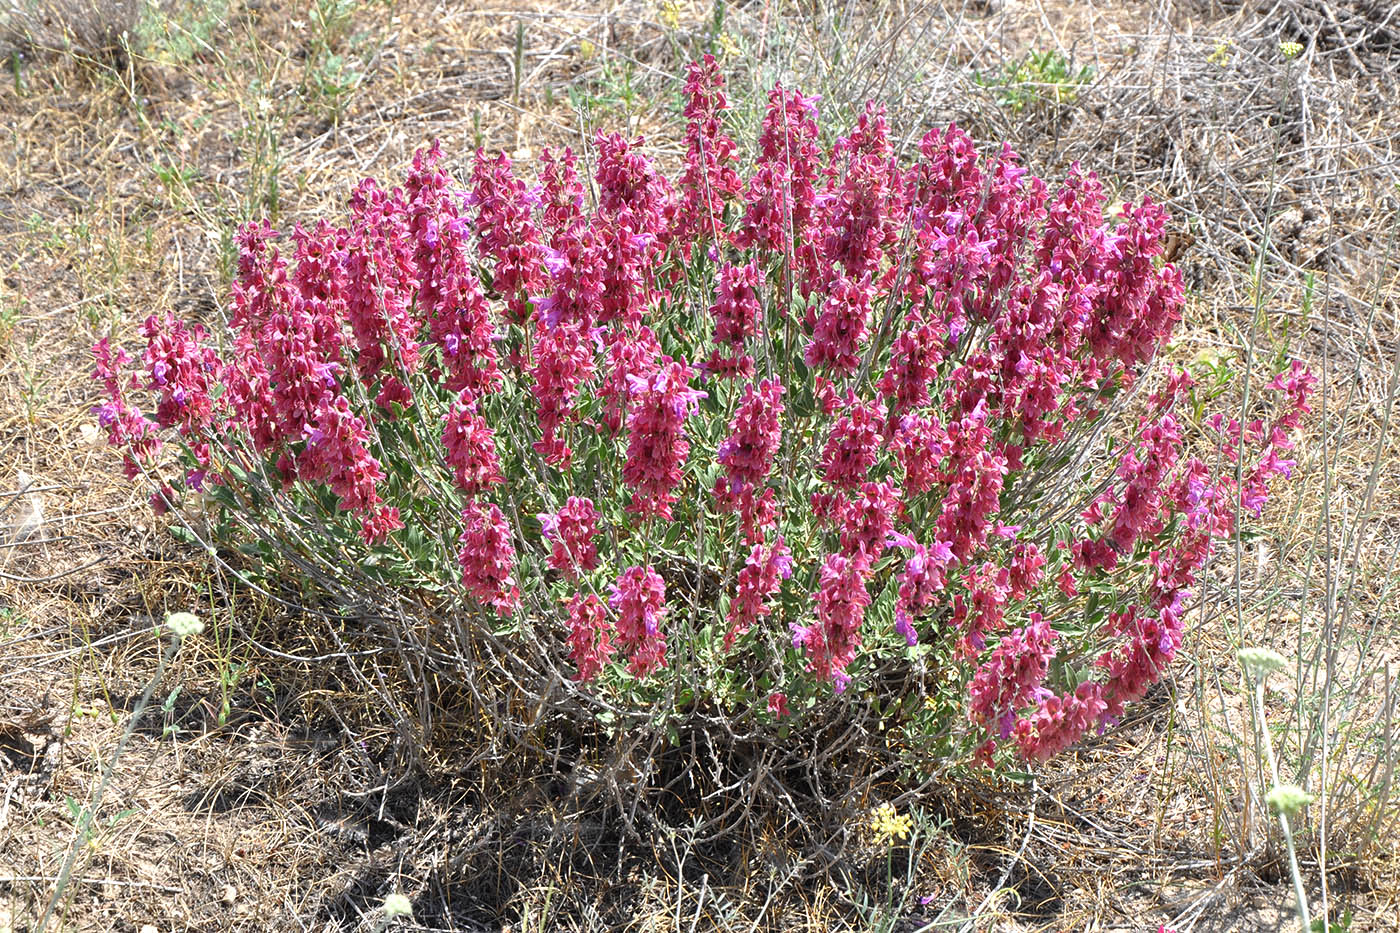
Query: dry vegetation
266	788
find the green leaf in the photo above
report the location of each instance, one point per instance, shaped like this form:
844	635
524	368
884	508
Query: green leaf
183	535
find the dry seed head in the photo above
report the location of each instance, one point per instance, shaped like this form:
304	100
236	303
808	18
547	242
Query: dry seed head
183	624
1261	662
397	905
1287	799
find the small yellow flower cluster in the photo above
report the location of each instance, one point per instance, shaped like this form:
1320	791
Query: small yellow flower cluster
1221	55
888	824
670	14
1290	49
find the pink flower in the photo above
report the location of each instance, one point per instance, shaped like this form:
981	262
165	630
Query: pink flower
487	558
471	447
449	293
182	370
981	611
590	635
1149	642
857	215
831	641
508	233
1012	677
853	445
377	284
836	342
1058	722
562	195
1141	304
780	195
625	272
126	427
631	193
762	576
572	533
709	179
639	599
657	447
867	521
976	475
778	705
736	313
563	361
629	354
755	434
920	446
1025	565
914	358
758	511
460	326
336	454
920	583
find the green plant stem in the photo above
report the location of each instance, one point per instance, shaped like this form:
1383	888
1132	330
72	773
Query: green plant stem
89	812
1268	744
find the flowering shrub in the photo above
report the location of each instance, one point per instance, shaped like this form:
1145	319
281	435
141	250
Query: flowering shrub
748	443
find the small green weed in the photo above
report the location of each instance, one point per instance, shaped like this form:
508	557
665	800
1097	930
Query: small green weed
83	819
1041	79
178	33
334	70
612	95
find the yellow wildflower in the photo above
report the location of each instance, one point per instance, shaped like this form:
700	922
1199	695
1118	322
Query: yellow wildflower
1221	55
670	14
888	824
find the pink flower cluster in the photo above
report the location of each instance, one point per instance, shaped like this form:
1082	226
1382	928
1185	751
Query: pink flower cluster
764	571
736	312
830	642
590	635
657	447
470	447
709	180
572	534
639	599
487	557
747	456
901	359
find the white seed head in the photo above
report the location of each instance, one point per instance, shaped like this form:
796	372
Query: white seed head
1287	799
1261	662
396	905
183	624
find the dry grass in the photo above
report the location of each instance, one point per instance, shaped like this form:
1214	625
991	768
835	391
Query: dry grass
282	797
